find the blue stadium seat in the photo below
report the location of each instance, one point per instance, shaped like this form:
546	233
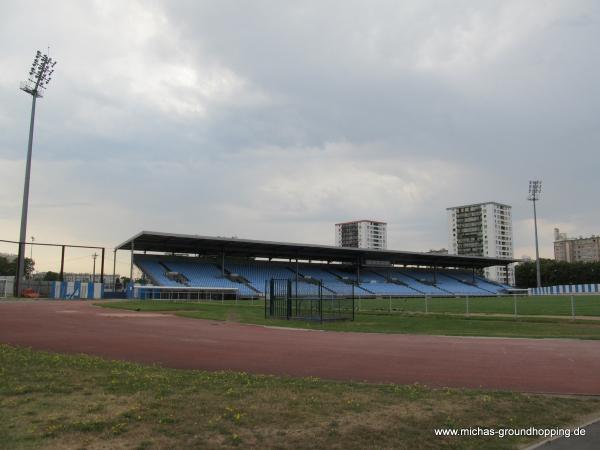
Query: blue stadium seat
336	279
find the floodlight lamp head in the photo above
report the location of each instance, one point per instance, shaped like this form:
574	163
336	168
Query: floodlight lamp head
535	189
39	74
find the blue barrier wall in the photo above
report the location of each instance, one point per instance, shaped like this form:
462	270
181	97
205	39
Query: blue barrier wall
75	290
566	289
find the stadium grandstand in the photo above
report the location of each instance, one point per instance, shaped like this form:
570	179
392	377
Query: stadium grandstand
244	267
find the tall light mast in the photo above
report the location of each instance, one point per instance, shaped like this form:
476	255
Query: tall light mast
40	75
535	189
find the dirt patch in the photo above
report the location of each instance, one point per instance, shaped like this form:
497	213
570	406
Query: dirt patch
233	316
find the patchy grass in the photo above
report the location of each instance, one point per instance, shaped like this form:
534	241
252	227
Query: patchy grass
74	401
545	305
438	324
550	305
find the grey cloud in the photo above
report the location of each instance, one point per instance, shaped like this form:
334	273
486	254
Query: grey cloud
223	117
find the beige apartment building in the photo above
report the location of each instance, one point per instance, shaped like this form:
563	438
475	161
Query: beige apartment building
576	249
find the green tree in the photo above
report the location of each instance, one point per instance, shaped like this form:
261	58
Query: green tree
51	276
29	267
8	266
557	272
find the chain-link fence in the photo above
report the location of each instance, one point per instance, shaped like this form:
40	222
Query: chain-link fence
505	305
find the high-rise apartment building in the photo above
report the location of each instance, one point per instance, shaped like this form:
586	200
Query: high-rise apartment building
361	234
483	229
576	249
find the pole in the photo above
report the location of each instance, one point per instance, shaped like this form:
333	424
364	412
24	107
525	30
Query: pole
102	267
62	263
23	233
94	256
572	307
131	264
537	251
115	270
297	277
353	313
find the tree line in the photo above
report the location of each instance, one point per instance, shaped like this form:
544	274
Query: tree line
557	272
8	266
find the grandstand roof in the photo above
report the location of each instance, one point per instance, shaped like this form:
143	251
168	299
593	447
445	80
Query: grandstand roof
151	241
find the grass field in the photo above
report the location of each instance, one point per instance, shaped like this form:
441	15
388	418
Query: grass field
74	401
440	324
583	305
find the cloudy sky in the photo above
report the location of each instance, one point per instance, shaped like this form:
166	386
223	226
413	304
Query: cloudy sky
274	120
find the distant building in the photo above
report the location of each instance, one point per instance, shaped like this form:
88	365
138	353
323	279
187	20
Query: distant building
361	234
576	249
483	229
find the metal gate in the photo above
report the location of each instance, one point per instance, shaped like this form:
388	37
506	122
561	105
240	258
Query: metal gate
279	299
291	300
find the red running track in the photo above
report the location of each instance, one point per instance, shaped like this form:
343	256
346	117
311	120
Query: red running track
529	365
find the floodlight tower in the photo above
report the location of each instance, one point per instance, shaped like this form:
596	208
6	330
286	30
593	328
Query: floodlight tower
535	189
40	75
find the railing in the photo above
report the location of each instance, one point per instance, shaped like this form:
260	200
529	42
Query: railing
184	294
501	305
